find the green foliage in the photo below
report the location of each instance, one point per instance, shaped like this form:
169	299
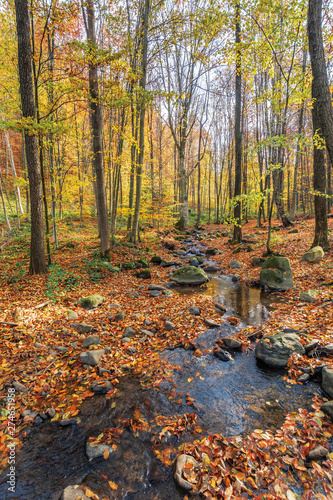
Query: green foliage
19	271
98	268
59	280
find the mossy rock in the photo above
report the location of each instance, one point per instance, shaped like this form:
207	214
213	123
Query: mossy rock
92	301
145	274
143	263
276	274
314	255
276	350
128	266
189	275
156	259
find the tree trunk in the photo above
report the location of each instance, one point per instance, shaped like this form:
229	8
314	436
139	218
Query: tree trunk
37	250
145	22
238	135
322	119
97	128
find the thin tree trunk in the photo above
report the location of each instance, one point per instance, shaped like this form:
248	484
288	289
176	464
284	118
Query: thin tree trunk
238	135
97	129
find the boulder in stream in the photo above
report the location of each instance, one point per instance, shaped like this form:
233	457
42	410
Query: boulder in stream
75	492
327	381
189	275
276	350
181	462
276	274
97	451
223	355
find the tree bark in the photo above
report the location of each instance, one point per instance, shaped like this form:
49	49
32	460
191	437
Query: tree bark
145	22
97	128
37	250
238	136
322	119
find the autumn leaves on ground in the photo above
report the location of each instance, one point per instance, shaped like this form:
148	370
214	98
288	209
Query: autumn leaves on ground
41	350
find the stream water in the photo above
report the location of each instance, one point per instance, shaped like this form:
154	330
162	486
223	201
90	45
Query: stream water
232	397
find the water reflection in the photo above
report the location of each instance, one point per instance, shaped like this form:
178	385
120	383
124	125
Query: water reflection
250	304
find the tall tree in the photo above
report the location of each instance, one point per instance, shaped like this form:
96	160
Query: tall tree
238	135
37	250
322	119
97	129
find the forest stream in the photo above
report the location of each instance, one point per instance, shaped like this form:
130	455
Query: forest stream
232	398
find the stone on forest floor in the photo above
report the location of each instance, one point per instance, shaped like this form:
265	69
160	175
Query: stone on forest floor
194	310
82	327
145	274
156	287
257	261
168	325
71	315
91	358
92	301
181	462
235	278
189	275
120	316
92	340
314	255
309	296
20	387
155	293
327	380
276	350
129	332
142	263
235	264
156	259
276	274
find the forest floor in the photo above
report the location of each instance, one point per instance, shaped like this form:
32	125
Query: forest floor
240	467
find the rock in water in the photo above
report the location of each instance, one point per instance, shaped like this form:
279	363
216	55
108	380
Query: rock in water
97	451
314	255
181	462
189	275
275	350
223	355
327	381
74	492
276	274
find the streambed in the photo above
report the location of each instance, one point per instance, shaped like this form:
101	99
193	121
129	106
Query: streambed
230	398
